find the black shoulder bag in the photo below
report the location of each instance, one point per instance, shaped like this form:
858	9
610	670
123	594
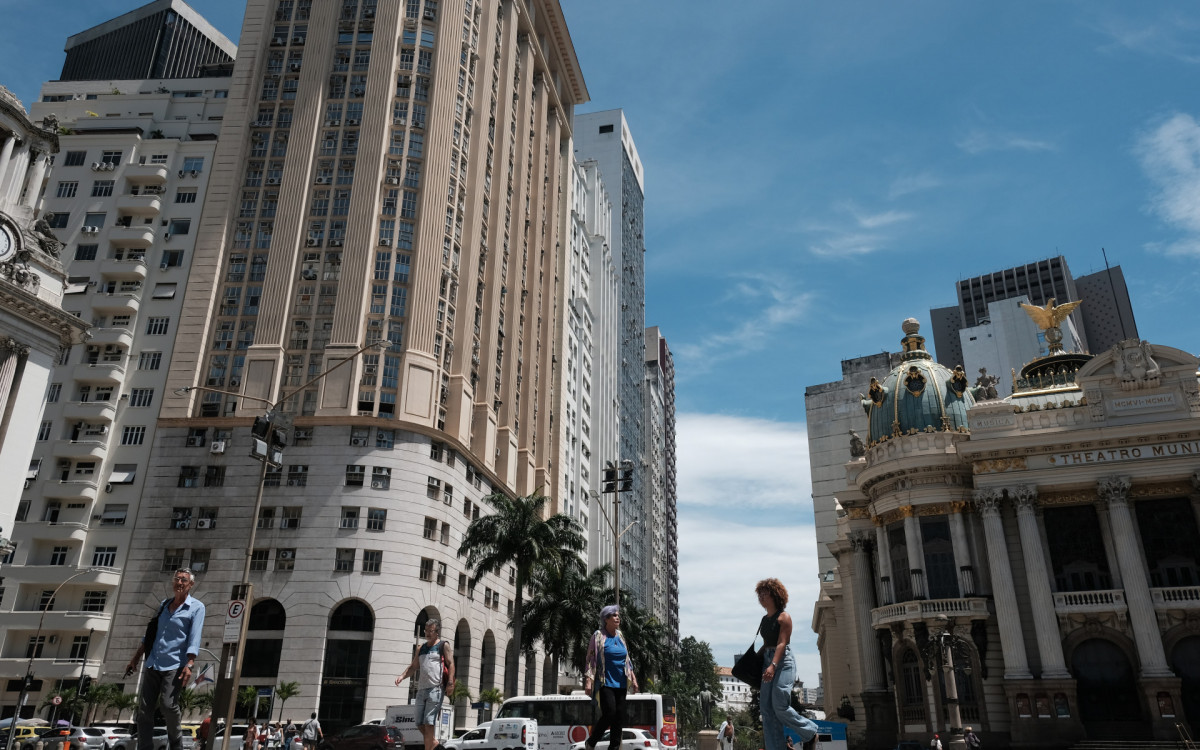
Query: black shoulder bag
152	628
749	667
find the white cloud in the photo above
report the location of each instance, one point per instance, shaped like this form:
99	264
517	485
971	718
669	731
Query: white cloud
741	462
1174	38
1170	157
779	305
859	238
745	513
914	183
981	141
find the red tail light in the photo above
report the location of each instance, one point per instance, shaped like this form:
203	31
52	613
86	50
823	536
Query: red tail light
523	730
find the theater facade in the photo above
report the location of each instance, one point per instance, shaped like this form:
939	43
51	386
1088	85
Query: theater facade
1028	567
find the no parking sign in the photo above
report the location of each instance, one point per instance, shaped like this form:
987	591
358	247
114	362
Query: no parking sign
233	620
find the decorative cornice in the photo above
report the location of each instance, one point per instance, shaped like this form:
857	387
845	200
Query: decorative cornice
70	329
997	465
10	345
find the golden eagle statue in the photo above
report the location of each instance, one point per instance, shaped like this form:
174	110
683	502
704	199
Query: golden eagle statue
1047	318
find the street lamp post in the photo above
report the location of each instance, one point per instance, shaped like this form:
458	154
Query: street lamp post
33	653
617	480
271	453
947	643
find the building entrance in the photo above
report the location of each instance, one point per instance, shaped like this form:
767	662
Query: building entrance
1109	705
1185	659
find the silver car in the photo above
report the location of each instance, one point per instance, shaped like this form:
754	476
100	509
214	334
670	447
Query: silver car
112	735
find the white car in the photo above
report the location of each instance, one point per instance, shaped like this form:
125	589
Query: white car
472	739
631	739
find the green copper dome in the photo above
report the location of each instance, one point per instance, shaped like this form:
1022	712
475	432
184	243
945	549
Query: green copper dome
919	395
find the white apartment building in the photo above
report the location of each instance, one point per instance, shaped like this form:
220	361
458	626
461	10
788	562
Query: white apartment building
125	192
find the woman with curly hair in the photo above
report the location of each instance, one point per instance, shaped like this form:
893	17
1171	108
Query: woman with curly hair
775	695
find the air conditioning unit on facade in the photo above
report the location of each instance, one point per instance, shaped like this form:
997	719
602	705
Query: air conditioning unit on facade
392	180
97	166
322	180
297	40
335	243
353	121
218	447
360	442
286	554
272	180
313	242
378	486
204	523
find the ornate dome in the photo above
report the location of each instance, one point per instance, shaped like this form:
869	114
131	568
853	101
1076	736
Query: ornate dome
919	395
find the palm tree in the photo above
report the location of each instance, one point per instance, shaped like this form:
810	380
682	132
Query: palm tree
649	645
204	701
459	692
186	700
101	696
284	691
563	611
493	697
517	534
123	702
247	698
72	703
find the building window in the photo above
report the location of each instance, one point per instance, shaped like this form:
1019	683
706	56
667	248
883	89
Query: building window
259	558
445	533
44	431
141	396
199	561
111	157
427	569
133	435
179	226
441	574
273	477
58	556
291	517
462	583
181	518
193	163
385	438
297	475
53	392
149	360
172	560
189	476
431	527
58	219
436	451
74	158
185	195
102	188
214	476
433	488
104	557
36	643
157	326
86	252
344	561
372	560
67	189
448	495
285	559
381	478
266	518
95	219
376	519
349	518
114	514
172	258
207	518
359	436
94	601
355	475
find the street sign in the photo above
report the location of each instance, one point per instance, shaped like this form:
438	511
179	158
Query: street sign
56	700
266	692
233	621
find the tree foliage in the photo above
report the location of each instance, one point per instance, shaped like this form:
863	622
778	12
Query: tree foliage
516	534
285	691
563	611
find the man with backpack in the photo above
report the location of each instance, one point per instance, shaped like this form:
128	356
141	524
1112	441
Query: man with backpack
434	666
171	644
311	734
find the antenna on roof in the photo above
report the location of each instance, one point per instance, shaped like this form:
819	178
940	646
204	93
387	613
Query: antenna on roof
1113	289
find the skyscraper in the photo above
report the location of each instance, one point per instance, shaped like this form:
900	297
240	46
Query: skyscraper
659	505
605	137
413	193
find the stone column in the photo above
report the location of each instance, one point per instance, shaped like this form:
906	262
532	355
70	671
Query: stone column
1114	491
916	552
14	178
962	552
33	188
1041	599
1196	496
1008	617
1110	552
10	140
11	352
861	543
883	557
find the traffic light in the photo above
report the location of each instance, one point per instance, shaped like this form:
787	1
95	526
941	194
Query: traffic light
626	479
85	684
610	479
278	442
259	435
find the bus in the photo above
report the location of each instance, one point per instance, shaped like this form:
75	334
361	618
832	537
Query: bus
564	720
831	735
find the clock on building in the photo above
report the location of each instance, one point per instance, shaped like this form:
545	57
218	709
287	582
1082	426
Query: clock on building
8	243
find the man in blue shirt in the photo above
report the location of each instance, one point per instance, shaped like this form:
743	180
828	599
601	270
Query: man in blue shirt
169	660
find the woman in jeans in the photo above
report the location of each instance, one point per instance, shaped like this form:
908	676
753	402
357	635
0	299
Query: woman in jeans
779	670
611	675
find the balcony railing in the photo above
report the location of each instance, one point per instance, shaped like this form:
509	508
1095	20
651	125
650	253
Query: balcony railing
1176	597
927	609
1105	600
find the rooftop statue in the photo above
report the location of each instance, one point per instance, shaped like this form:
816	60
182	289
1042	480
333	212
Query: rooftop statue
1047	318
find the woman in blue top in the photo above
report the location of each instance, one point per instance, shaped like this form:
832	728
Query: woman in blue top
608	662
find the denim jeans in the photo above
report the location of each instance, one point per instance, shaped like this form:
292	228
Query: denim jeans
159	690
775	699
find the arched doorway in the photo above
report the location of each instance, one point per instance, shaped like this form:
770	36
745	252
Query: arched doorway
264	646
1107	687
462	669
347	666
487	669
912	689
1185	658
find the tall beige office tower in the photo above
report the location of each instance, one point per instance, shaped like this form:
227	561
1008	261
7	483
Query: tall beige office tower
393	172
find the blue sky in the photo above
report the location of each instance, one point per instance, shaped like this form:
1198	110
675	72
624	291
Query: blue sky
815	173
